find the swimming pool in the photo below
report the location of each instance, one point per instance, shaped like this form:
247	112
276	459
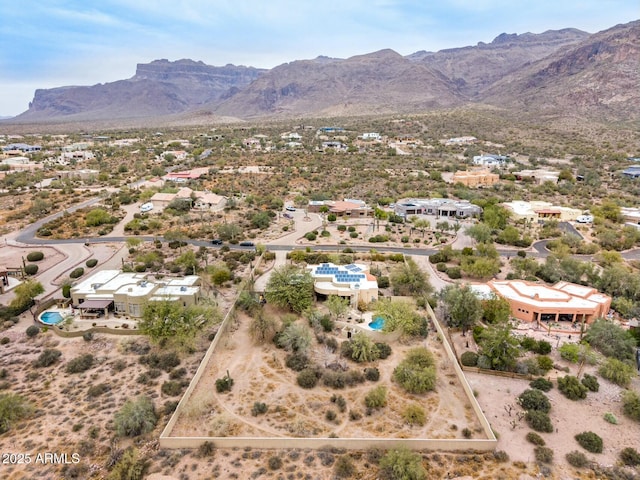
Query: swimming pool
51	318
377	323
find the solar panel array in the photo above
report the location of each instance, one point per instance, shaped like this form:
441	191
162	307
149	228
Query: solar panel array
340	274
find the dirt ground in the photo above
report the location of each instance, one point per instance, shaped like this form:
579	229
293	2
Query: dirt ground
569	417
260	374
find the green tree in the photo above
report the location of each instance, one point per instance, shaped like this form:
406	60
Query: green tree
362	348
495	216
135	417
97	217
12	408
189	262
416	373
290	287
402	464
295	338
480	232
617	371
463	306
337	305
229	231
401	315
171	322
611	340
631	405
502	348
25	293
496	309
260	220
408	279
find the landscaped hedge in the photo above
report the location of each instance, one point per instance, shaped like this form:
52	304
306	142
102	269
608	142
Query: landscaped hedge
35	256
92	262
77	273
469	359
31	269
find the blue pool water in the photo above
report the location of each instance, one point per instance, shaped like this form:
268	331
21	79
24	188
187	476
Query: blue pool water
51	318
377	324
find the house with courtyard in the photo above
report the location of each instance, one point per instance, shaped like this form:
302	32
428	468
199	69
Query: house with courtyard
351	281
562	302
540	211
475	178
490	160
441	207
538	176
126	293
349	207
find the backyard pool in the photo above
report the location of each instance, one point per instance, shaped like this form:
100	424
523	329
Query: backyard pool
51	318
377	323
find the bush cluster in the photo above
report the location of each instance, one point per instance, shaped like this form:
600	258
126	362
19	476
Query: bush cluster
577	459
32	331
31	269
469	359
630	457
307	378
80	364
571	387
534	400
543	454
259	408
590	441
539	421
47	358
165	361
536	439
224	384
541	384
77	272
92	262
35	256
376	398
590	382
416	373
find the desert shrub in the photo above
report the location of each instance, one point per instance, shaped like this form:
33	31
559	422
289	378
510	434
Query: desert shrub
376	398
528	343
5	340
454	273
307	378
571	387
543	454
47	358
136	417
545	363
590	441
384	350
224	384
631	405
340	402
610	418
372	374
80	364
414	414
77	272
536	439
344	467
92	262
467	433
87	336
35	256
528	366
12	408
402	464
534	400
31	269
32	331
590	382
617	371
275	463
630	457
570	352
334	379
542	347
97	390
297	361
541	384
469	359
416	373
539	421
177	373
354	415
330	415
171	388
165	361
259	408
500	456
207	449
131	466
484	362
119	365
577	459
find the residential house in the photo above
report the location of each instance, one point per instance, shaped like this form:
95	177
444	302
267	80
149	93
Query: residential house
349	207
539	176
128	293
351	281
538	210
441	207
490	160
475	178
564	301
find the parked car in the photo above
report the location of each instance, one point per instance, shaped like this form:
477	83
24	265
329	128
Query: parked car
246	244
289	208
286	215
146	207
585	219
216	241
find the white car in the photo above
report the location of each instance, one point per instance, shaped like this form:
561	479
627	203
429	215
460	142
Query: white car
289	208
585	219
146	207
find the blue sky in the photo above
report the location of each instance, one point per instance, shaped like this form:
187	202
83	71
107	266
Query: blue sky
51	43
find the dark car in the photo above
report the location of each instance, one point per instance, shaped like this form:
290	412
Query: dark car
246	244
216	241
286	215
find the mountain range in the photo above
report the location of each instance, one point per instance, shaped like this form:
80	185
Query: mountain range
555	72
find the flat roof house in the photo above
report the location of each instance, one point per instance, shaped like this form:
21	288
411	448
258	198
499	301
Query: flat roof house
127	293
564	301
475	178
352	281
442	207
